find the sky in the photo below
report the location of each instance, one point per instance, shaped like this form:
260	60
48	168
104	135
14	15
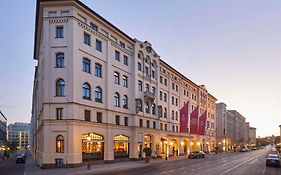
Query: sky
232	47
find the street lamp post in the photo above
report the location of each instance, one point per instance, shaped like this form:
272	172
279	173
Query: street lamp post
166	152
89	141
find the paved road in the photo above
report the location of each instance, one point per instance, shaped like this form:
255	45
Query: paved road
252	162
9	167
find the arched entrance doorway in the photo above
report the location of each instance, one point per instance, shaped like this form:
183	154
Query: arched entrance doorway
174	147
164	147
121	146
92	147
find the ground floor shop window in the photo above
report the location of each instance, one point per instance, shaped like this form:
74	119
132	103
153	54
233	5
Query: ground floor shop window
121	146
92	147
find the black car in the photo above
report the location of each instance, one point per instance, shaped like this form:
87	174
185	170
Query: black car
273	160
196	155
20	159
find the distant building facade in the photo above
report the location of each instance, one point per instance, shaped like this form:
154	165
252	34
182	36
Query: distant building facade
19	132
240	128
232	129
3	129
253	136
280	132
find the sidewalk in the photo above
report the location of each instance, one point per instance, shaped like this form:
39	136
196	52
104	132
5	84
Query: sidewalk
32	169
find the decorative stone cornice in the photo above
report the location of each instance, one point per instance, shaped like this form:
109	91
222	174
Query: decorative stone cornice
116	45
89	29
58	20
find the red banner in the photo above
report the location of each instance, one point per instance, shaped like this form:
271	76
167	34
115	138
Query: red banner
194	121
184	118
202	123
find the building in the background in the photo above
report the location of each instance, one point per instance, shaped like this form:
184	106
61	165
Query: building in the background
19	133
225	127
247	134
3	134
232	129
98	91
253	136
240	136
280	132
3	129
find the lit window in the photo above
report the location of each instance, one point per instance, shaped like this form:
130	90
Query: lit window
60	144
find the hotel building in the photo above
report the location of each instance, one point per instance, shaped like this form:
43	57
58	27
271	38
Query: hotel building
97	92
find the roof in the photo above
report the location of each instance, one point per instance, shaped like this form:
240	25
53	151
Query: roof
170	67
82	5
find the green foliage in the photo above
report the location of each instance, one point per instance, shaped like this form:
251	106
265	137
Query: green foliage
13	145
147	152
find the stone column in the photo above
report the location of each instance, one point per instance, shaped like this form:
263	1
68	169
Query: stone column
109	147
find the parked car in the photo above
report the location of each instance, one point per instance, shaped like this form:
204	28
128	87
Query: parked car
273	160
20	159
196	155
243	150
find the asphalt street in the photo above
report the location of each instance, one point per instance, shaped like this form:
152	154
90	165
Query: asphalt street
9	167
234	163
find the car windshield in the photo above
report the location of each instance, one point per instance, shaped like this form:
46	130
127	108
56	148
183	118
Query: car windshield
272	156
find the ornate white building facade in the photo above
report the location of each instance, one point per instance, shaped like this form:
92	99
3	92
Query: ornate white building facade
94	81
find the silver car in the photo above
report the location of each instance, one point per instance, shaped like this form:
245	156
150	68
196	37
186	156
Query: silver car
273	160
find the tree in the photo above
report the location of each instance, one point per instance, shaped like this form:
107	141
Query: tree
13	145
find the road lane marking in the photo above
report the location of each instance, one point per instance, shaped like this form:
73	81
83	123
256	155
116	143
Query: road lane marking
241	164
203	172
